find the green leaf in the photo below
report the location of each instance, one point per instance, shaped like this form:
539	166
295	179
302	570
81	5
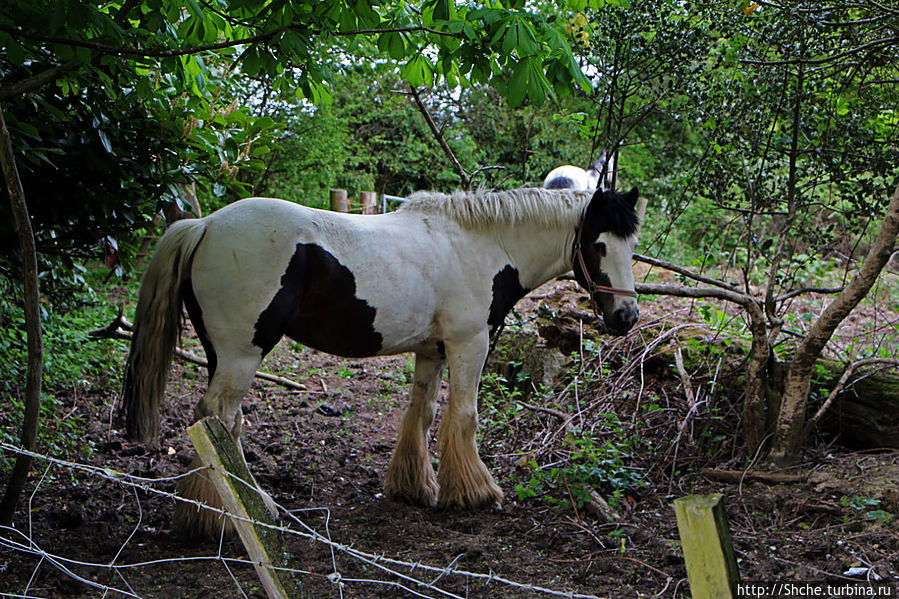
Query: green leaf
348	20
527	39
418	71
393	44
510	38
518	83
292	43
536	84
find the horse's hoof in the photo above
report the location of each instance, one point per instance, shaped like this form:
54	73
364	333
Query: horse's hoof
426	497
490	497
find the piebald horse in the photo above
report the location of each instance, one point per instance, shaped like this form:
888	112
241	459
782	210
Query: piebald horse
433	278
597	176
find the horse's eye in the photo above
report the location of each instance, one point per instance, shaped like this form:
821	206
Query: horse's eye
600	247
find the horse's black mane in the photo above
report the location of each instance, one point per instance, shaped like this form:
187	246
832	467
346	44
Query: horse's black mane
620	215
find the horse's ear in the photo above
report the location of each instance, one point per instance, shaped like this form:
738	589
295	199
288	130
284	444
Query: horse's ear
641	209
632	196
600	162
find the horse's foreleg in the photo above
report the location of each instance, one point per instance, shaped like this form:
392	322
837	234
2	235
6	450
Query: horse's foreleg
410	476
227	388
464	479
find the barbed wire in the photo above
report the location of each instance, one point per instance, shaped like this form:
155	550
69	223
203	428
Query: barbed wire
403	573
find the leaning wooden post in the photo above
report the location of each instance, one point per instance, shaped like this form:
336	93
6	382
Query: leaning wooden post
229	473
708	548
339	202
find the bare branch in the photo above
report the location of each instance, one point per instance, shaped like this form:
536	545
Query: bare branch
679	291
120	328
168	53
33	332
804	290
789	430
683	271
886	43
466	178
738	476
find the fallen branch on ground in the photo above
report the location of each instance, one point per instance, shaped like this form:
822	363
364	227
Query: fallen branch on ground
738	476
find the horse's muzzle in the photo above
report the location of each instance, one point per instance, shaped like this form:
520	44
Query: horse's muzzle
623	320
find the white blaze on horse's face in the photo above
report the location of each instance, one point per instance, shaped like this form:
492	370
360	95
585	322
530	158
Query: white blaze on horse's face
603	256
619	312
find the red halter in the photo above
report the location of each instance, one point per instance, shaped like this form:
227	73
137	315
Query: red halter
591	286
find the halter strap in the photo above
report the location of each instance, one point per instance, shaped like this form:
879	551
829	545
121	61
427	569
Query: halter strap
591	286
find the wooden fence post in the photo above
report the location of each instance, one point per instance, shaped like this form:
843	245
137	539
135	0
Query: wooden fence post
708	548
369	201
339	202
217	448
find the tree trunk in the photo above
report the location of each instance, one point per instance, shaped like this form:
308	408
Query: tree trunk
788	436
755	413
32	326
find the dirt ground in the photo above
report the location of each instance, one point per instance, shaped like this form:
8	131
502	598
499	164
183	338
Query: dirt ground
322	454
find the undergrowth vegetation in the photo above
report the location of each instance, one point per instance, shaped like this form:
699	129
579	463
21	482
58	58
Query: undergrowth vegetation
72	363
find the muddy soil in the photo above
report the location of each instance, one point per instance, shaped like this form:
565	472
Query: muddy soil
322	454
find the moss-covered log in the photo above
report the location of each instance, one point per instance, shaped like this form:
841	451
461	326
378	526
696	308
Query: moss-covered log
866	413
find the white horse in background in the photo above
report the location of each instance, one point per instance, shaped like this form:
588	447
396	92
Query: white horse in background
597	176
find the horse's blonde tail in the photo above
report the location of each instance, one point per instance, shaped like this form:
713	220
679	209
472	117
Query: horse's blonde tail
156	327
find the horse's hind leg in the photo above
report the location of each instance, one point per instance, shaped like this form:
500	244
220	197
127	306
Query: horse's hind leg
229	384
410	476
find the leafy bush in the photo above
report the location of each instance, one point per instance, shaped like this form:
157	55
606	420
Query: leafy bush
71	361
595	462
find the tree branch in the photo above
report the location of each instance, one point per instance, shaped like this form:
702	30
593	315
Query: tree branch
120	328
788	436
803	290
887	42
466	178
35	82
168	53
679	291
683	271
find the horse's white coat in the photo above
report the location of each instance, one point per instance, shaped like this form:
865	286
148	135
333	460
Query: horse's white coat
427	270
579	179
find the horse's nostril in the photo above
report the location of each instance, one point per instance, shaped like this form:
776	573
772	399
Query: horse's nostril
626	318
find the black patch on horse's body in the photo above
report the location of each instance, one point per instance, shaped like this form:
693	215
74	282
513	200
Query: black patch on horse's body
196	317
317	306
561	183
507	290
